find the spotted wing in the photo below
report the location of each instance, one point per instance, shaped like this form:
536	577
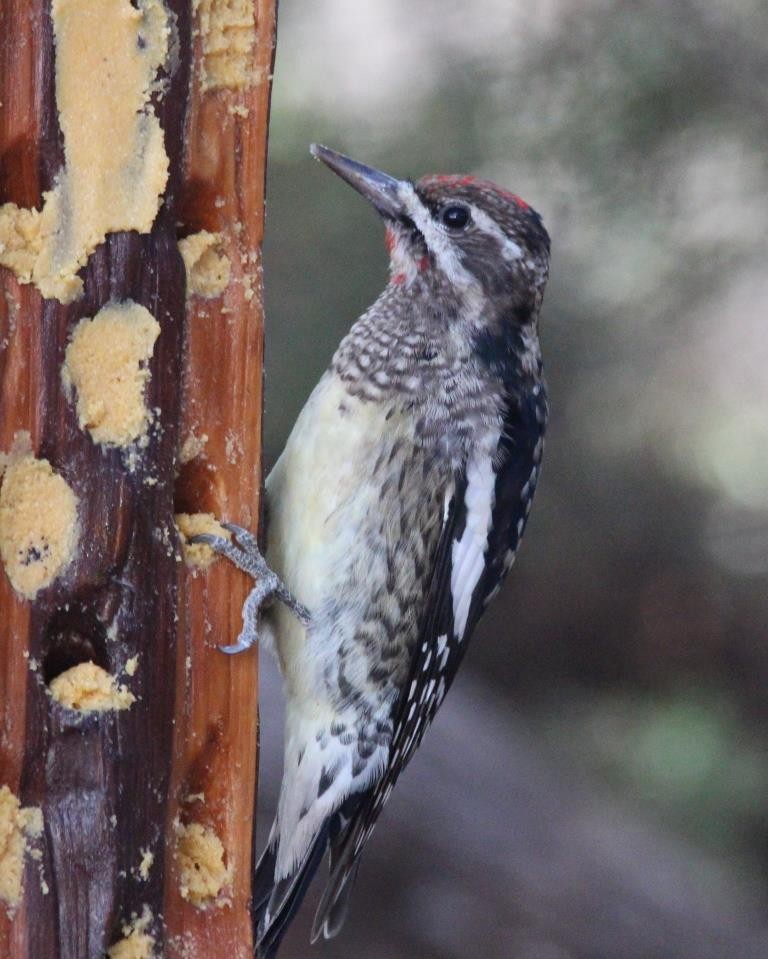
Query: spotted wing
482	529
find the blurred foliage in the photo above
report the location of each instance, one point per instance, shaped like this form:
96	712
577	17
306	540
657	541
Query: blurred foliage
634	625
687	757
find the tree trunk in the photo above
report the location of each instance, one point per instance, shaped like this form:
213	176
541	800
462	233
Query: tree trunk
147	800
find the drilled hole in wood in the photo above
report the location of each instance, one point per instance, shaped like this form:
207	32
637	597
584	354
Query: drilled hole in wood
194	490
73	637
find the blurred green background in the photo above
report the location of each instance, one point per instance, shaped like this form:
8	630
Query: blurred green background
630	642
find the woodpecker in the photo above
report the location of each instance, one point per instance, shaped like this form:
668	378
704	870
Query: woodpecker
393	515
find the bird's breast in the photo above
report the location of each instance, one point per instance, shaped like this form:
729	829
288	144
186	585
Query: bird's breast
355	504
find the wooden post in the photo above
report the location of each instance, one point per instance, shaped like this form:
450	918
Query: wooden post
147	809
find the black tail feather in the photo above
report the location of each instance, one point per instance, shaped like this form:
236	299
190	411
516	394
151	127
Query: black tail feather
263	882
344	864
332	911
286	897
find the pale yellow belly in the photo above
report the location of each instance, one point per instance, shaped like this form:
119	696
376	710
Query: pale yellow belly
320	495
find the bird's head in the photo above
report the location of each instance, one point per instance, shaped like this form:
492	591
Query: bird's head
462	238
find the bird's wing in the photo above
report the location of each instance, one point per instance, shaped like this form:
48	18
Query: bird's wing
482	528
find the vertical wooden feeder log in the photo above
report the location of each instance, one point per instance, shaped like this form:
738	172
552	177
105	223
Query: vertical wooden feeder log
132	164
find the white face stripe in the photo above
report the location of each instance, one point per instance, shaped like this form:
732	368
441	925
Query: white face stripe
438	242
486	224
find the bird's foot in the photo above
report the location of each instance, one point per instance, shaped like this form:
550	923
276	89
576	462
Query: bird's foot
243	550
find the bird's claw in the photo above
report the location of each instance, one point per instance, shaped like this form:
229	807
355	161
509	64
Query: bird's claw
240	646
243	551
208	539
243	537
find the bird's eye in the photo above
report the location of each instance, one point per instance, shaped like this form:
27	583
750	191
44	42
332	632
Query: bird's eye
455	216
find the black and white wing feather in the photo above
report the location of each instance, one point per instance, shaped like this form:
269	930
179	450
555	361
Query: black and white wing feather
482	528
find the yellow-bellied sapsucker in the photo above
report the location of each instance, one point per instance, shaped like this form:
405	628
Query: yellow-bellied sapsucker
393	515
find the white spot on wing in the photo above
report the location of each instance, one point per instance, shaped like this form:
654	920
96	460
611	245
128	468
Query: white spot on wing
442	651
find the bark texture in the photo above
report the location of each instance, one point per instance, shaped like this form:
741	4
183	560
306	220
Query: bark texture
115	786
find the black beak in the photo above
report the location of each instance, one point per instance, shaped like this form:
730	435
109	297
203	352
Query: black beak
383	191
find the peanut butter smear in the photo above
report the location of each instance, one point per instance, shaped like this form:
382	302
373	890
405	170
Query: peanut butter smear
38	524
106	363
87	688
137	942
16	826
227	29
203	876
207	266
108	53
